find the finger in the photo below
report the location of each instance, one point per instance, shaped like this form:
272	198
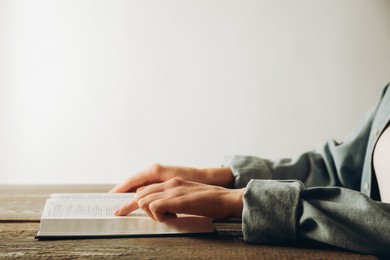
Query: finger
159	213
181	205
150	206
150	189
132	183
160	187
126	208
160	206
140	188
144	203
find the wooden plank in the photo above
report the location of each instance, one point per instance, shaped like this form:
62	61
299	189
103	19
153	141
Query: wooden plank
28	206
26	202
47	189
17	240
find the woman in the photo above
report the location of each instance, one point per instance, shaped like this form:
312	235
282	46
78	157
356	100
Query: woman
329	195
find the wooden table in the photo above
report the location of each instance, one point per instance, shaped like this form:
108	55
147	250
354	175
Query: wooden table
21	207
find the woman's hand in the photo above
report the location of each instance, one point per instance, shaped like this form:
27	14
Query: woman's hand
159	173
163	201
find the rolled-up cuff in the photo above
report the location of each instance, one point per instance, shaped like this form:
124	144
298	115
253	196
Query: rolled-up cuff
246	168
270	211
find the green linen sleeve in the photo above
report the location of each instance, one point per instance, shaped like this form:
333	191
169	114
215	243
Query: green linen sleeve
285	211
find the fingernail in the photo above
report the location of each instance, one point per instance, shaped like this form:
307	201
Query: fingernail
117	212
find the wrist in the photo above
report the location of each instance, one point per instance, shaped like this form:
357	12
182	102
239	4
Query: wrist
237	203
219	176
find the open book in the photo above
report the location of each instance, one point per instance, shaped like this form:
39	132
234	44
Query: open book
91	215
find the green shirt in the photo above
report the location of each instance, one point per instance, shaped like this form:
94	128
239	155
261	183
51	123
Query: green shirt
322	195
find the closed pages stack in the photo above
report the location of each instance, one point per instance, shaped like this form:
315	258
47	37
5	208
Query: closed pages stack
91	215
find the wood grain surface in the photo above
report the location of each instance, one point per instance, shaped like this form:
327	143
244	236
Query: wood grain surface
21	207
26	202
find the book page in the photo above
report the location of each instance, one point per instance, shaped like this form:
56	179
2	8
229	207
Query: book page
87	205
91	214
83	196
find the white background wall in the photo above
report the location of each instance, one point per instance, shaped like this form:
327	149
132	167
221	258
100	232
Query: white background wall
93	91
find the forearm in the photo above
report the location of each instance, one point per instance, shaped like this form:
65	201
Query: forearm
308	168
218	176
330	164
314	168
283	211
